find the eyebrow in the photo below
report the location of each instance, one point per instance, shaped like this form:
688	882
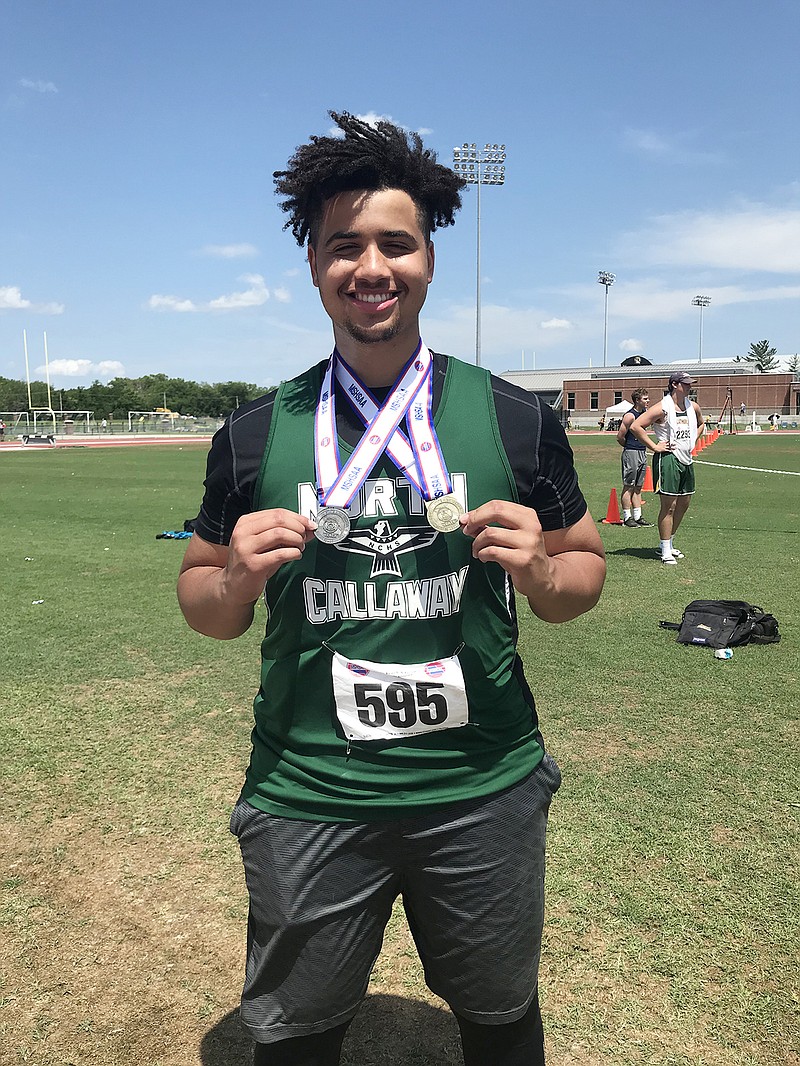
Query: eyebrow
349	235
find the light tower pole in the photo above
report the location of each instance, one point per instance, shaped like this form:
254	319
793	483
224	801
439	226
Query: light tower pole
701	302
606	279
480	166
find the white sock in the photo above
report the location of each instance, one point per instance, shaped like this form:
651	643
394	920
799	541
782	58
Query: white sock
637	513
666	548
625	514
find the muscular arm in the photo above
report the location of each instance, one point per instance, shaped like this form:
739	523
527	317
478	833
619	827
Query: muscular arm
219	584
645	420
560	572
625	425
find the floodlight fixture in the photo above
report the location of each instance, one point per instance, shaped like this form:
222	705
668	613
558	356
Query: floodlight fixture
606	278
701	302
479	166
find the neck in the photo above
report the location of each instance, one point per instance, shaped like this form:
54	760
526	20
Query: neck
378	365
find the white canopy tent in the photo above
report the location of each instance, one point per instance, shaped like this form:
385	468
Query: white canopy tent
619	408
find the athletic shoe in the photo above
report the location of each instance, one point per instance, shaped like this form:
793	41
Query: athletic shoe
631	523
677	554
641	522
669	560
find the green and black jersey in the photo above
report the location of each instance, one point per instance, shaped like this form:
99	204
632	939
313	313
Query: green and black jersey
393	591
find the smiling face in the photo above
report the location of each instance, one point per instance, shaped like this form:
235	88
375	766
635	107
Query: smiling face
372	264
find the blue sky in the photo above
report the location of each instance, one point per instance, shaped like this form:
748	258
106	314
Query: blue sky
139	228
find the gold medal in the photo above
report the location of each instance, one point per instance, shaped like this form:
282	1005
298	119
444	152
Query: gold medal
444	513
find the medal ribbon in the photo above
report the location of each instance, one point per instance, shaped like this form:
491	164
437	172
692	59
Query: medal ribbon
366	407
337	486
421	460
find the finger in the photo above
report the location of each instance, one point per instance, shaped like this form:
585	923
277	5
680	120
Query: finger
277	517
499	513
271	540
501	537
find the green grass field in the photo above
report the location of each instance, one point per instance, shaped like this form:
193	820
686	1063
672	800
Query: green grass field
672	930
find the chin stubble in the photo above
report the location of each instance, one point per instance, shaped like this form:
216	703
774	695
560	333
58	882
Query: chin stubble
364	336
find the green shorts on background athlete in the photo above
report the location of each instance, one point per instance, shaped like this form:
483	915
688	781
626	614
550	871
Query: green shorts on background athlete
677	421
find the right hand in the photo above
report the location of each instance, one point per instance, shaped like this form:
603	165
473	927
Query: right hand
260	544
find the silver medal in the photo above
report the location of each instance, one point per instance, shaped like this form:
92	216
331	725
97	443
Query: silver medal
333	525
444	513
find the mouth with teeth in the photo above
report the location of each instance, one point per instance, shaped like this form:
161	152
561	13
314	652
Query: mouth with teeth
373	300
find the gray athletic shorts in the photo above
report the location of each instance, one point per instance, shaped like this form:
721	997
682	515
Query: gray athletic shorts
634	466
471	877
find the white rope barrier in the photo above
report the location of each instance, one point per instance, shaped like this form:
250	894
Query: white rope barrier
755	469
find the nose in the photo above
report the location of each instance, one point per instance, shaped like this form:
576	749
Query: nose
372	264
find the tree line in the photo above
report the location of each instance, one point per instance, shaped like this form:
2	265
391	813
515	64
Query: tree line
200	399
121	395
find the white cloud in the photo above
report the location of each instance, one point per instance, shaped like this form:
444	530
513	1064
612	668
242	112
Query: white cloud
230	251
754	237
82	368
11	299
255	296
372	118
38	86
503	328
170	303
283	296
650	301
631	345
110	368
556	323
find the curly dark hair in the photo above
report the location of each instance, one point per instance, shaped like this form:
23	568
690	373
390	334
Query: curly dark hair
367	157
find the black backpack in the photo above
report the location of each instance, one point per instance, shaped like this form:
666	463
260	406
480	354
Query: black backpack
724	624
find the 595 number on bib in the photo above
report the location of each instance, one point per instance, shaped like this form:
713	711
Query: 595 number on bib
384	701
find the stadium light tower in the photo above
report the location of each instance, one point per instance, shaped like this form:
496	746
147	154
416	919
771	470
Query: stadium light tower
607	279
480	166
701	302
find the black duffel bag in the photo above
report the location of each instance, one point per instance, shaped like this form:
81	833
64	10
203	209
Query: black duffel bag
724	624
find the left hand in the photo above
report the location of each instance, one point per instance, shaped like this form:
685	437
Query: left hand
511	535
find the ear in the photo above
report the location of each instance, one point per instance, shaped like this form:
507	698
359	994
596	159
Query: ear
312	263
431	258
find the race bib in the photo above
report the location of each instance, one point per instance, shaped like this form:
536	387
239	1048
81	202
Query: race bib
385	701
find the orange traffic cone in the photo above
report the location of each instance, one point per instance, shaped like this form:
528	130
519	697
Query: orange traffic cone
648	480
613	517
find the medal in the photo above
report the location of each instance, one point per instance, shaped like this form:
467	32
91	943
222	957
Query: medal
333	525
339	482
420	457
443	513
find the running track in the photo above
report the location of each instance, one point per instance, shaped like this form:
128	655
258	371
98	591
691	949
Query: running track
117	441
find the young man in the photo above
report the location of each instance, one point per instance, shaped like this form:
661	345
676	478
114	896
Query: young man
677	422
634	462
387	503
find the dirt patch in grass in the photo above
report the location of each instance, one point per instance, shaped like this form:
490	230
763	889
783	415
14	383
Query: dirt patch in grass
123	948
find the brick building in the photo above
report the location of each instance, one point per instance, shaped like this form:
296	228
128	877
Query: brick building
586	392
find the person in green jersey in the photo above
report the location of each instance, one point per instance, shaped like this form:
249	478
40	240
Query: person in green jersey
391	504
